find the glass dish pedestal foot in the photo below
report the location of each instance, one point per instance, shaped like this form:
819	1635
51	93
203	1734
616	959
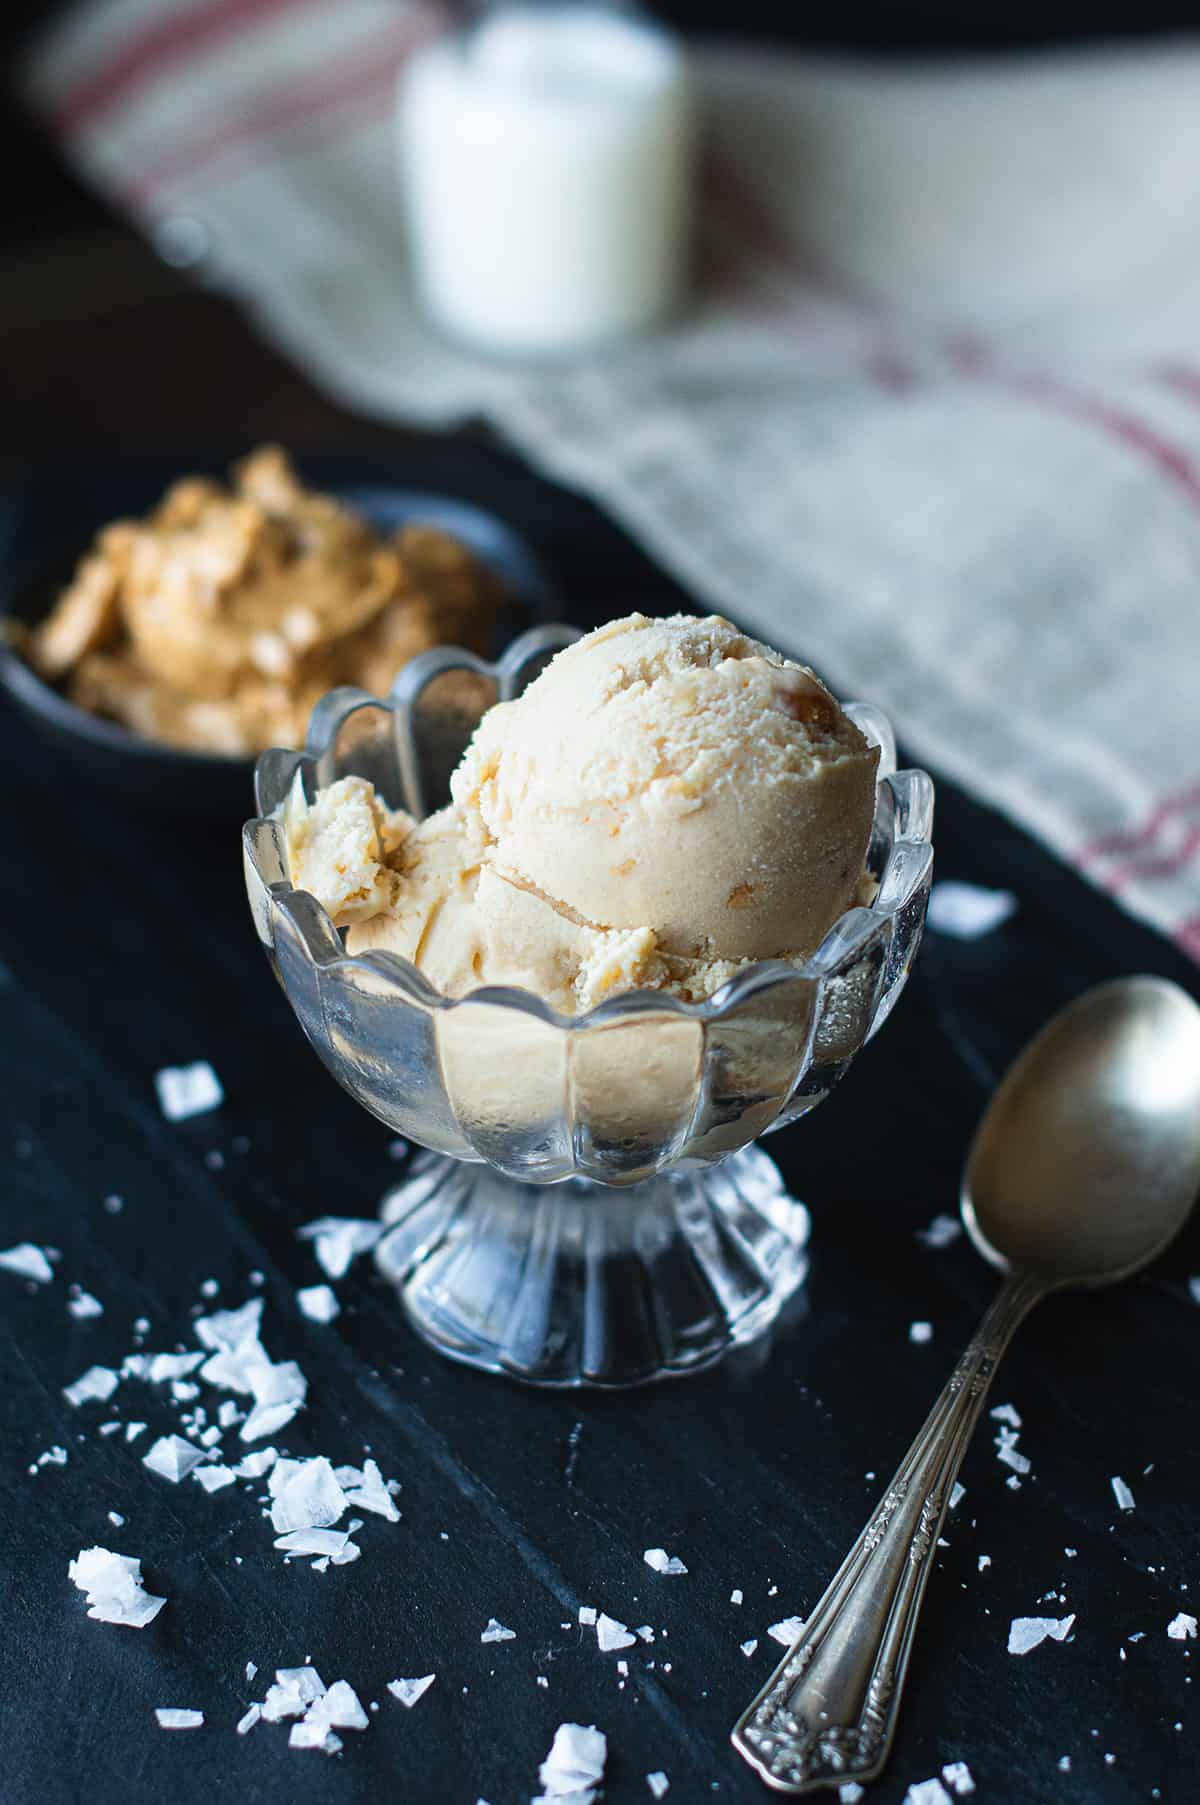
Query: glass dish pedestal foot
587	1284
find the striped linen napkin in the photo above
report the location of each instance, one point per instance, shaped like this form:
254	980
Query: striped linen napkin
932	421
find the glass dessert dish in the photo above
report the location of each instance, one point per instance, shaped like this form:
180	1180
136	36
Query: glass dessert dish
588	1207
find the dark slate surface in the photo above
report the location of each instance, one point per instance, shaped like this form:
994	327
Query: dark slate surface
127	947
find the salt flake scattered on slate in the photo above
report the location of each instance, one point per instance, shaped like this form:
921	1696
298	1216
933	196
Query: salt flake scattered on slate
338	1240
133	1430
1121	1493
266	1419
97	1382
920	1331
113	1584
173	1458
940	1232
1007	1451
318	1302
1026	1633
246	1724
170	1717
214	1479
496	1632
958	1778
309	1498
957	1494
662	1562
611	1634
587	1615
116	1519
82	1306
735	1597
575	1764
644	1632
253	1466
157	1369
188	1090
850	1793
409	1691
1182	1628
28	1262
967	911
658	1783
366	1490
748	1648
786	1631
927	1792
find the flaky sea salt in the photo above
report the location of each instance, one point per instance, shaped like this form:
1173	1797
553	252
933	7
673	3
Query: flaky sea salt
97	1382
927	1792
309	1498
116	1519
612	1635
365	1489
920	1332
113	1584
339	1240
1007	1451
786	1631
294	1690
83	1306
575	1763
172	1458
170	1717
496	1632
214	1479
318	1302
658	1783
735	1597
1121	1493
748	1648
967	912
253	1466
409	1691
662	1562
246	1723
1026	1633
188	1090
958	1778
1182	1628
28	1262
587	1615
1006	1413
957	1494
940	1232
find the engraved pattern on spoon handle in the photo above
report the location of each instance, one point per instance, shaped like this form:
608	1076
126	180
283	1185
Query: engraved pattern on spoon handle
828	1712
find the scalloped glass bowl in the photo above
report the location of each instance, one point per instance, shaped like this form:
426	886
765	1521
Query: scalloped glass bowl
589	1208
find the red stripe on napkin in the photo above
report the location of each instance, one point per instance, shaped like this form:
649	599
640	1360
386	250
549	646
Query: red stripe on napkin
155	49
368	75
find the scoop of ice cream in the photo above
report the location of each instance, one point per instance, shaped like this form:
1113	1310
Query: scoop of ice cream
677	775
667	801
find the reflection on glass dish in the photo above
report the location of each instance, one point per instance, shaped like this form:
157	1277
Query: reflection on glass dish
589	1208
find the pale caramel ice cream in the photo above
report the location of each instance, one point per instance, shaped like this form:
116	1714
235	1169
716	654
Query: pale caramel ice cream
667	802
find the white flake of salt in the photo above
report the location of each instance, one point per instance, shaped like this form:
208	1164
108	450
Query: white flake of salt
172	1458
658	1783
958	1778
786	1631
496	1632
82	1306
612	1635
188	1090
1182	1628
662	1562
1026	1633
318	1302
28	1262
1121	1493
97	1382
171	1718
409	1691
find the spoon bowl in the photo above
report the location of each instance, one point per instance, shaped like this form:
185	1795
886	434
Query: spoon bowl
1087	1162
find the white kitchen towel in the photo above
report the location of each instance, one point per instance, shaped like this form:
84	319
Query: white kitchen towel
932	421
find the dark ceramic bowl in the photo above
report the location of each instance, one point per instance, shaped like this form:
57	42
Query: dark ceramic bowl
43	535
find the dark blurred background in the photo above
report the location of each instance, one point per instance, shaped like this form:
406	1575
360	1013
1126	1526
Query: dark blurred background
42	198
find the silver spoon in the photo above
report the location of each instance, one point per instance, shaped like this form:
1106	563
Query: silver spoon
1085	1165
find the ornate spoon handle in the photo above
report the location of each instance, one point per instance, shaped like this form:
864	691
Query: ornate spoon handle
828	1712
